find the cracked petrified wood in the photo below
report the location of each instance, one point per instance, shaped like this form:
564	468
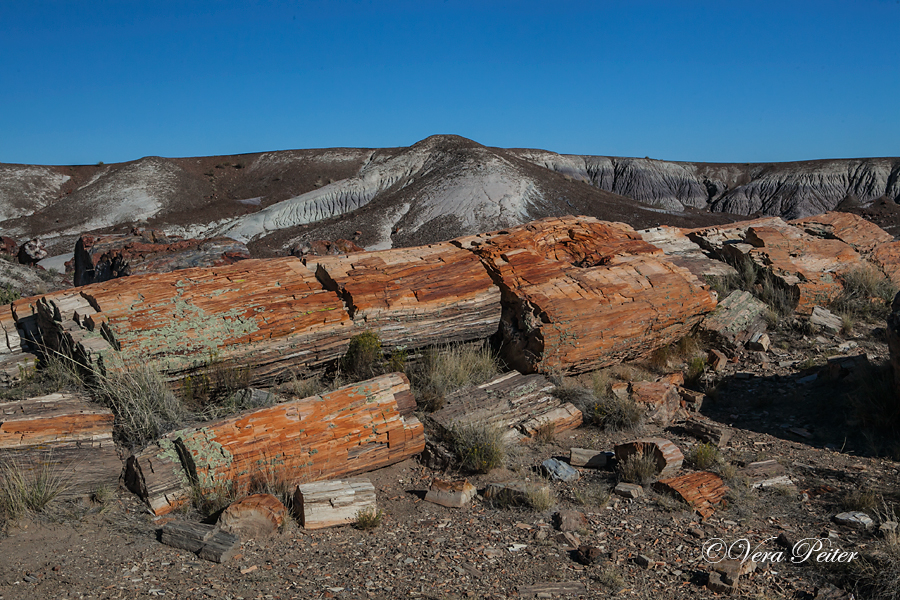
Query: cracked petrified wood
702	490
516	404
354	429
104	257
335	502
64	434
415	296
580	294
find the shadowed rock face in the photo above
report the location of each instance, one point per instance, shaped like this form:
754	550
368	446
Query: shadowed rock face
442	187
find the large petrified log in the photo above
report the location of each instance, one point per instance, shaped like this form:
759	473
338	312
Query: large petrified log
354	429
679	249
415	296
16	359
104	257
516	404
64	434
580	294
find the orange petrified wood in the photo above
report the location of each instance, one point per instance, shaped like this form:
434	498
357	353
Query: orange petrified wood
351	430
701	490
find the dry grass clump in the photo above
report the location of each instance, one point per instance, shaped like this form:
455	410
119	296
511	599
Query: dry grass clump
876	574
611	579
363	356
867	294
703	456
594	495
479	447
540	498
545	433
144	405
862	500
639	468
445	369
600	407
368	518
28	489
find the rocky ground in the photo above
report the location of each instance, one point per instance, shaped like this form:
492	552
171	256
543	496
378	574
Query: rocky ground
782	404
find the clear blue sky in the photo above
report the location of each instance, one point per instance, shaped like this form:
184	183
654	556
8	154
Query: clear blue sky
723	81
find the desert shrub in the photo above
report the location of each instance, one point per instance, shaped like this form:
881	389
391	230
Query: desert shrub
302	387
540	498
544	433
866	294
605	409
703	456
611	579
144	405
592	495
24	489
368	518
695	369
479	447
8	294
363	356
639	468
445	369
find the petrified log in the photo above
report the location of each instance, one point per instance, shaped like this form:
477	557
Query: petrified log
331	503
708	432
736	319
415	296
580	294
104	257
16	362
452	494
254	517
354	429
849	228
679	249
701	490
207	541
666	454
591	459
66	435
325	248
517	404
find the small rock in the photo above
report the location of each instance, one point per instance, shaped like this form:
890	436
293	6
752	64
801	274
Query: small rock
591	459
784	541
570	520
643	561
32	252
717	585
560	471
888	527
825	319
696	532
452	494
588	555
855	519
629	490
717	360
760	342
568	538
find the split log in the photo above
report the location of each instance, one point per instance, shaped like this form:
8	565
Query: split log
207	541
64	434
331	503
517	404
579	294
708	432
415	296
701	490
667	455
108	256
254	517
354	429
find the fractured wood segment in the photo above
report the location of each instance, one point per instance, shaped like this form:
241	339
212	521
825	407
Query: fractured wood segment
580	294
355	429
64	434
701	490
207	541
331	503
517	404
415	296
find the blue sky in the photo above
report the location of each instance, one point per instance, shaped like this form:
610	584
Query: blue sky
82	82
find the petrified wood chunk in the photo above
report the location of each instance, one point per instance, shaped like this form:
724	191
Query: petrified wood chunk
591	459
701	490
738	317
65	434
708	432
331	503
354	429
415	296
207	541
662	401
517	404
452	494
580	294
104	257
254	517
667	455
849	228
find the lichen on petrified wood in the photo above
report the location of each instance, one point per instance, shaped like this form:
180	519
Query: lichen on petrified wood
352	430
415	296
580	294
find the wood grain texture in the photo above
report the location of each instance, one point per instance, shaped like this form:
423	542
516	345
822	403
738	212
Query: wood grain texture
334	502
701	490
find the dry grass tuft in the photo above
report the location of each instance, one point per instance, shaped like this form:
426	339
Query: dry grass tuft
479	447
26	489
639	468
445	369
368	518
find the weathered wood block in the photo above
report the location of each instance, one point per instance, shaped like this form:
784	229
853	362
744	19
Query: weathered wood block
357	428
708	432
331	503
737	318
207	541
66	434
254	517
517	404
667	455
662	401
701	490
452	494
